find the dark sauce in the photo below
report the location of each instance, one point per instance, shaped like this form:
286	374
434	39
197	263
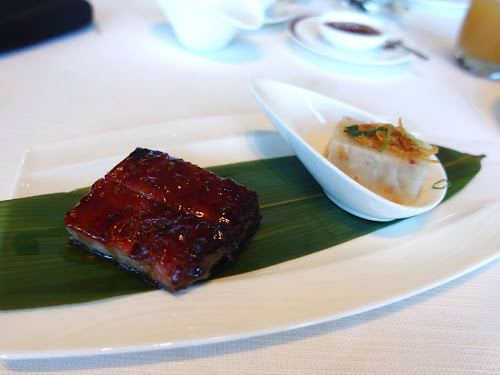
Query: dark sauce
355	28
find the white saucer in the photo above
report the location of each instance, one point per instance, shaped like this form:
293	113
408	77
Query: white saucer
305	32
281	11
441	4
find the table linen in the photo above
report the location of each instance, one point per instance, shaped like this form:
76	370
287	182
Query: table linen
128	71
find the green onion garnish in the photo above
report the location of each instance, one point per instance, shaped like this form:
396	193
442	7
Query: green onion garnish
441	184
386	139
354	131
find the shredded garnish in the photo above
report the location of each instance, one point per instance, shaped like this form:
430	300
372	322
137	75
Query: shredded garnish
354	131
387	137
394	139
441	184
412	137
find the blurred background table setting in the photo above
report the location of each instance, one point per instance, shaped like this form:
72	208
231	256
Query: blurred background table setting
84	82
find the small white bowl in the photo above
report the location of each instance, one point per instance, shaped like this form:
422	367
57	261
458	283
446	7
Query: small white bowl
210	25
365	32
307	120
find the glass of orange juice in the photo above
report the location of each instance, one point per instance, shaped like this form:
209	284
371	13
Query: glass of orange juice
478	48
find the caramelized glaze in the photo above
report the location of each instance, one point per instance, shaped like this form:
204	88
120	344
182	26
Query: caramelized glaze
164	217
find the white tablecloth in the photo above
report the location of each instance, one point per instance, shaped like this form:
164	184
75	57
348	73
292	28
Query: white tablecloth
128	71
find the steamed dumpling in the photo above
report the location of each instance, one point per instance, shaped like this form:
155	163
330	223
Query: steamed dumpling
382	157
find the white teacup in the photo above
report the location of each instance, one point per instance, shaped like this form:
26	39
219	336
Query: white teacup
209	25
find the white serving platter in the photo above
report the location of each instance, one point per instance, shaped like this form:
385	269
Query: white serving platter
372	271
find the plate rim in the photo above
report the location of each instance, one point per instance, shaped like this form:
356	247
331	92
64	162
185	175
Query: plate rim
272	279
441	4
269	19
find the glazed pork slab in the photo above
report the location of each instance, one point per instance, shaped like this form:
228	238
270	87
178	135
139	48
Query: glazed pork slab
167	219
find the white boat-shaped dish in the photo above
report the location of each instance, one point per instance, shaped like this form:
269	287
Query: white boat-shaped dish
307	120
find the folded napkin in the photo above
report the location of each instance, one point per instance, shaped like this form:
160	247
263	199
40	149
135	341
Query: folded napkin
26	22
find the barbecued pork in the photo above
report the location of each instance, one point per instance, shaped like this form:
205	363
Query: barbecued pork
190	190
166	218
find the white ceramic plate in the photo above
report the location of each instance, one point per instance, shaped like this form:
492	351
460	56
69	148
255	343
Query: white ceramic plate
282	11
305	32
440	4
372	271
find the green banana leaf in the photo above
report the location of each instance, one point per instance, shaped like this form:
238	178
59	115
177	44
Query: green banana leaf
39	266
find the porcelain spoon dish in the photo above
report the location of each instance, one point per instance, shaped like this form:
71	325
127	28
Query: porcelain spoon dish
306	120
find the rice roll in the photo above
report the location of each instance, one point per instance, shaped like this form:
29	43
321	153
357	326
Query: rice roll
382	157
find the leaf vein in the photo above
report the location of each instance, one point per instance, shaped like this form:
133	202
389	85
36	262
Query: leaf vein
300	199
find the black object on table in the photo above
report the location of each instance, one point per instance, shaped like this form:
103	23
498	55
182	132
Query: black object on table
27	22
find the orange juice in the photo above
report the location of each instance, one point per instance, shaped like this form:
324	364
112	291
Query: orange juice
480	35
